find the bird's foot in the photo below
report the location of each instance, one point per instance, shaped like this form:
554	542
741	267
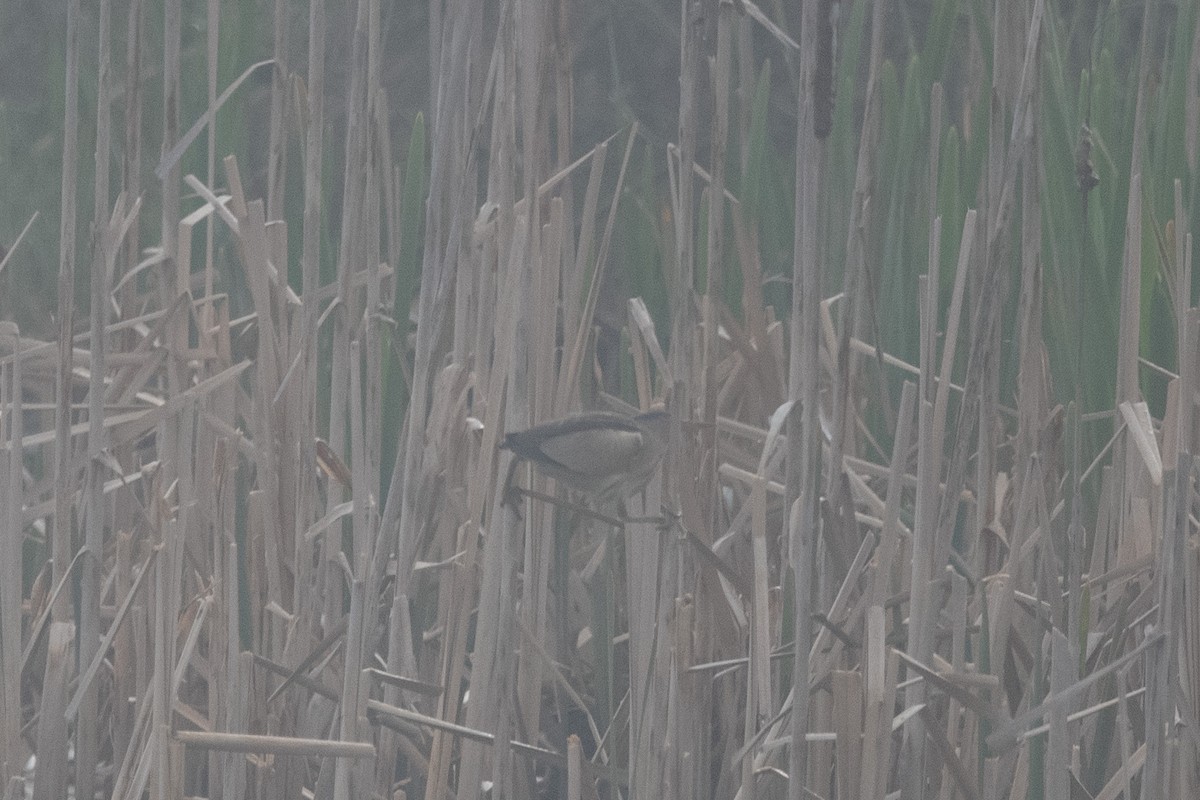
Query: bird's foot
664	521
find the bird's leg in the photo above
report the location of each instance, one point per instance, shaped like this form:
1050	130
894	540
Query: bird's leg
663	520
583	510
670	518
657	520
512	493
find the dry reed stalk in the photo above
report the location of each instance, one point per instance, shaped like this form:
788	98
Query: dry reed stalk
325	603
539	539
761	697
171	104
955	717
877	689
1127	338
354	691
573	279
847	692
861	220
11	490
52	773
682	281
651	591
310	253
51	778
63	454
714	275
278	745
930	442
1057	783
132	141
804	433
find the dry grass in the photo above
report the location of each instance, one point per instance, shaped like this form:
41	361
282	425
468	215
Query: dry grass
266	552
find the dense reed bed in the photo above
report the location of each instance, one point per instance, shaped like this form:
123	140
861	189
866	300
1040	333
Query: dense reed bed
916	280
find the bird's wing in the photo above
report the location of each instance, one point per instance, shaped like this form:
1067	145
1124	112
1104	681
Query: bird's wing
593	452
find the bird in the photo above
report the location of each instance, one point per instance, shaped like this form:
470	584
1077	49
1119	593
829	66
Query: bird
603	455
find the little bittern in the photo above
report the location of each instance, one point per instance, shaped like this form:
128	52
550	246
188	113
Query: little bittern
604	455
